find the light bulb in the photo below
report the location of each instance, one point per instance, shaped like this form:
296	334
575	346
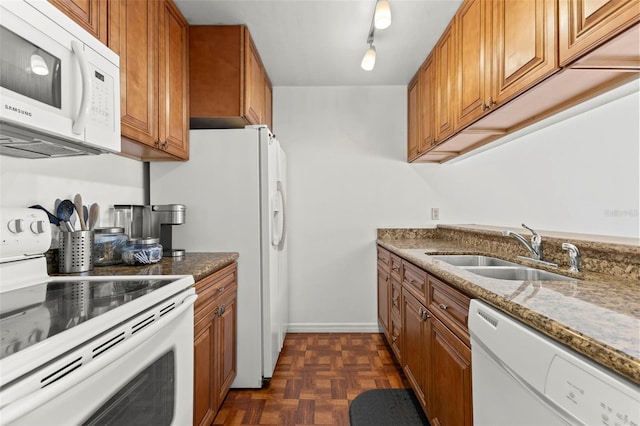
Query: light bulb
382	15
369	60
38	65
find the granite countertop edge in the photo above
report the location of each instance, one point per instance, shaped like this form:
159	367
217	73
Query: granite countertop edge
197	264
623	363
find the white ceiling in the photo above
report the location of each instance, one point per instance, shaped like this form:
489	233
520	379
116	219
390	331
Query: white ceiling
321	42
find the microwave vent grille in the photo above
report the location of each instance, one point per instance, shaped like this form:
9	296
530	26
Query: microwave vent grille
16	141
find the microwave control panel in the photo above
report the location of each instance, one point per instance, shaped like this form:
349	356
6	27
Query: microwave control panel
102	99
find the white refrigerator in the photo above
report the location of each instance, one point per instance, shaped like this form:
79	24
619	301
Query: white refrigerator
233	187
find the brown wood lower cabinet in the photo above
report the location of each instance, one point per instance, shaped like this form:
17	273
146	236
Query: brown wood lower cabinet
214	342
415	352
429	335
450	377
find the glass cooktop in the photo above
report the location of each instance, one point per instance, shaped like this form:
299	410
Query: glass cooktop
35	313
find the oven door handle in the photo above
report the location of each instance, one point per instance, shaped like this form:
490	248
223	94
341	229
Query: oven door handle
32	400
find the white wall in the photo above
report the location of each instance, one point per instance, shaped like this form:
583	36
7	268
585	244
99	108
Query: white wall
347	176
105	179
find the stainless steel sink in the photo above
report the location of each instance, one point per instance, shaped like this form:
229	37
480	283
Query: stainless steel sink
472	260
492	267
516	273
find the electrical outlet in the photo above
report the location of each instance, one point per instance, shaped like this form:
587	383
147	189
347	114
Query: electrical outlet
435	213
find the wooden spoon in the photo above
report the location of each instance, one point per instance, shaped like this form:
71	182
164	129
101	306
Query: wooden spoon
94	215
77	201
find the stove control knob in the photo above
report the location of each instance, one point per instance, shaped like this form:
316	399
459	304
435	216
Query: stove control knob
16	226
37	227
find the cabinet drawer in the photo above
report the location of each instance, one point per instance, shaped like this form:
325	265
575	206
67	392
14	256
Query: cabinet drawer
396	267
451	307
384	256
415	280
211	288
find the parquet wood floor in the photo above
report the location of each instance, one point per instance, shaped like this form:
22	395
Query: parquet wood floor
316	378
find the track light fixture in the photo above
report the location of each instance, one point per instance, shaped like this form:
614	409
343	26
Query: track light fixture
381	20
382	15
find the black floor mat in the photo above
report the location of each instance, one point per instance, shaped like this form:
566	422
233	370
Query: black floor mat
386	407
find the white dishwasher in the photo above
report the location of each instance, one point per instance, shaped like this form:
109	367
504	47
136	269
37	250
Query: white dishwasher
521	377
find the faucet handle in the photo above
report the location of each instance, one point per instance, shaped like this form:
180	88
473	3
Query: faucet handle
574	256
535	234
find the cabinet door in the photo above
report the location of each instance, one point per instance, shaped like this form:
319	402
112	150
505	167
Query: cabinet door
254	88
473	66
585	24
450	377
414	351
413	117
136	42
173	78
384	285
445	85
524	44
226	347
90	14
203	366
426	106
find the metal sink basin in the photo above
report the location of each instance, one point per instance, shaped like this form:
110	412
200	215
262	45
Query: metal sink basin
516	273
473	260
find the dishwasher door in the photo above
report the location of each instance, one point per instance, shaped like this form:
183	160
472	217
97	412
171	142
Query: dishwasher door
521	377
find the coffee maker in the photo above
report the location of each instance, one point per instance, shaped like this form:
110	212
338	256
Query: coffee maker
154	221
163	217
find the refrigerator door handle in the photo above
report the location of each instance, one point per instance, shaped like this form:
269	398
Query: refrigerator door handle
279	219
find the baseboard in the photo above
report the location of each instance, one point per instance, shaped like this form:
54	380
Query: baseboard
334	328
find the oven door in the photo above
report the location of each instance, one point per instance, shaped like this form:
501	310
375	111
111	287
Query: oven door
148	380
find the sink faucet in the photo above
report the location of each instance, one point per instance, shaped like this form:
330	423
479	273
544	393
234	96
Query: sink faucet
535	248
574	257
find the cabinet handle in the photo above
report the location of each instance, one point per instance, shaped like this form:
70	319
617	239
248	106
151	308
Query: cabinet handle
395	268
221	310
443	306
411	281
221	289
386	278
394	338
420	312
157	143
492	103
484	107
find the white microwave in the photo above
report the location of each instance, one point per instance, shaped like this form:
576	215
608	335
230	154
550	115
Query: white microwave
59	86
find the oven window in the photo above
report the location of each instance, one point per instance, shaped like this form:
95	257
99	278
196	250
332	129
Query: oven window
148	399
29	70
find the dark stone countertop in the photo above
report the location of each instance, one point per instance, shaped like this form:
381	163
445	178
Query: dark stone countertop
197	264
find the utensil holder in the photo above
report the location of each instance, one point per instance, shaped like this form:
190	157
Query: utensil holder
76	251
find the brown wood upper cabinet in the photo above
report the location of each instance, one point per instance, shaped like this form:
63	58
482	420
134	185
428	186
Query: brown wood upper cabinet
504	47
584	24
421	110
445	87
90	14
517	62
152	40
230	87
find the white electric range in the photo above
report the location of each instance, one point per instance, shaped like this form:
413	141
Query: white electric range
85	349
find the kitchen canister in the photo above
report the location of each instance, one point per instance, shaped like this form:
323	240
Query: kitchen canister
76	252
142	251
108	246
